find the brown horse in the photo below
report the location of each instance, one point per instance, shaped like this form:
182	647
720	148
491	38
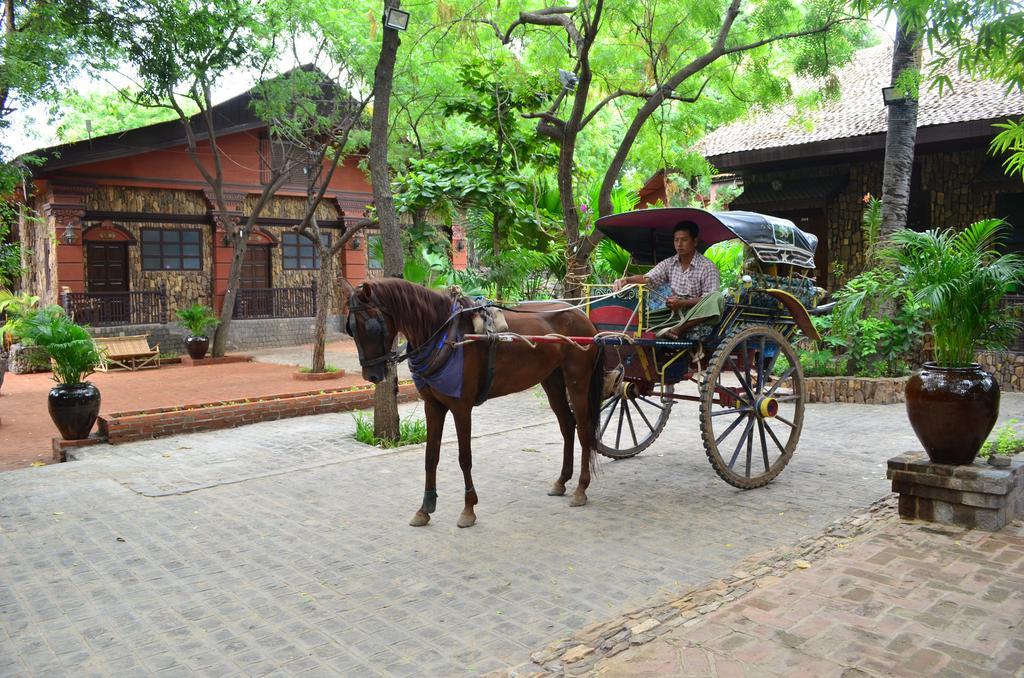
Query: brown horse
432	323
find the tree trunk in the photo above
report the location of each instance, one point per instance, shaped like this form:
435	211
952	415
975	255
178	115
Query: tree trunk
900	138
324	294
220	337
385	398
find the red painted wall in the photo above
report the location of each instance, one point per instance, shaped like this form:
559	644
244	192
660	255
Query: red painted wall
170	167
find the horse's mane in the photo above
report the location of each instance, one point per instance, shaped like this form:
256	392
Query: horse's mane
417	310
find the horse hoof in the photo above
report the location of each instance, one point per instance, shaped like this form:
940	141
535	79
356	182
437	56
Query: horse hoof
578	499
467	519
420	519
557	490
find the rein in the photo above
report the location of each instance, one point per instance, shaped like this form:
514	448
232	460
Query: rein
408	350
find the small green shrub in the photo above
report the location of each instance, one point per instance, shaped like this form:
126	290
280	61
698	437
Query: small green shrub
327	368
71	348
1004	440
197	319
411	430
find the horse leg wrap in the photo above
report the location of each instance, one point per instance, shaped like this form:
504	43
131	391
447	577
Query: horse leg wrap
429	501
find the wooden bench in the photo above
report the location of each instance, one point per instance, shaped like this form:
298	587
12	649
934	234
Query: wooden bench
130	353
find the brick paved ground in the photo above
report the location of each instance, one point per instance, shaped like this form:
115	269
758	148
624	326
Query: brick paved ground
283	547
907	599
26	429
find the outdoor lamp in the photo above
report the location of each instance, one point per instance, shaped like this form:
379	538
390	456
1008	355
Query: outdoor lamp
396	19
356	242
69	233
893	95
568	78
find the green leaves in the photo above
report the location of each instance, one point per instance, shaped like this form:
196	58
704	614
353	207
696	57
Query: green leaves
197	319
960	277
71	348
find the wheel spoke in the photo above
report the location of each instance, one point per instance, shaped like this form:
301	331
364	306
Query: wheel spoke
783	378
651	403
764	445
612	402
746	367
736	410
732	393
611	413
618	434
743	438
736	371
772	434
760	366
642	415
750	447
629	420
785	421
719	439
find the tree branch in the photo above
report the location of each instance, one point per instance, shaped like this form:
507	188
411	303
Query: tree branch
549	16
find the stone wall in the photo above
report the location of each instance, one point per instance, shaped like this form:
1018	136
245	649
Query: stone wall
863	390
947	182
1006	367
244	334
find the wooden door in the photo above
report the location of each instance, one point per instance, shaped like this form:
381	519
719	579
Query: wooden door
255	298
107	269
256	267
106	276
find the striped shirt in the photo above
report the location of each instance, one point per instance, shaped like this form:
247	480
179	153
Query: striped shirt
699	279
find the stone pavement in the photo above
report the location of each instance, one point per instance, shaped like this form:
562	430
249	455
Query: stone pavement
283	547
905	598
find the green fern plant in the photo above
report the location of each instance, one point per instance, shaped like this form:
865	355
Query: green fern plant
961	277
198	319
70	347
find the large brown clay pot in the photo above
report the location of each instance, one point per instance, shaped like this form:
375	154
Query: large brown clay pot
952	410
197	346
74	408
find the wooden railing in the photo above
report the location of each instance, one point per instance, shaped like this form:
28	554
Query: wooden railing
275	302
100	309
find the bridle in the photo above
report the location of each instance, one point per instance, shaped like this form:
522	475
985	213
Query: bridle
375	327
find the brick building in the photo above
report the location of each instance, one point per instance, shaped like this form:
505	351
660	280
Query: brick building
124	232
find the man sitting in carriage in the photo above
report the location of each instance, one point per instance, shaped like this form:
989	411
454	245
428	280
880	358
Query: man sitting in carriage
694	282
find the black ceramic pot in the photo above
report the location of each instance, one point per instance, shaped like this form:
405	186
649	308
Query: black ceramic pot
197	346
74	408
952	410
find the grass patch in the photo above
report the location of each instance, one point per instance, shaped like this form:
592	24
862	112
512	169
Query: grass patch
327	368
1004	440
411	430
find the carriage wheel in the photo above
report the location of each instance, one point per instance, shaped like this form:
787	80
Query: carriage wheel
632	418
749	422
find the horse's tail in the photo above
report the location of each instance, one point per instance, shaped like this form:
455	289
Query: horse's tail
594	396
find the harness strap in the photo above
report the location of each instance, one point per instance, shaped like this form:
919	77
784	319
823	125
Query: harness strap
488	379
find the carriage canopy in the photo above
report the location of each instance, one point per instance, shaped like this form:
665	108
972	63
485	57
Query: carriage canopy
647	234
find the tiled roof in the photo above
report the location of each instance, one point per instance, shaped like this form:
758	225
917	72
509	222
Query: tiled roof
860	111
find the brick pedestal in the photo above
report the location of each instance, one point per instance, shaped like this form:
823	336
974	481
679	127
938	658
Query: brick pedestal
976	496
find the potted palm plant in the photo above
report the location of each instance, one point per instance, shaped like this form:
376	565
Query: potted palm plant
74	403
198	319
961	278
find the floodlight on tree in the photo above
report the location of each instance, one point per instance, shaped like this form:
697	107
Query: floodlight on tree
894	95
396	19
568	78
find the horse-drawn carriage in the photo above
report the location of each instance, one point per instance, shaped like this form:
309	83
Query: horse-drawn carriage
751	405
